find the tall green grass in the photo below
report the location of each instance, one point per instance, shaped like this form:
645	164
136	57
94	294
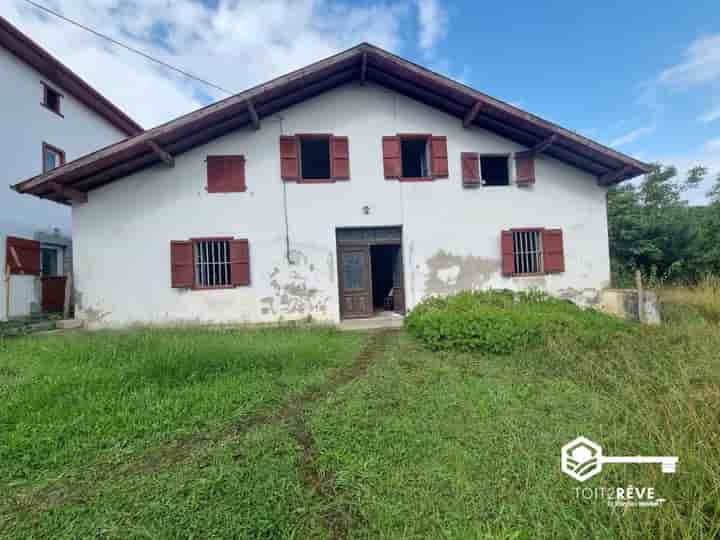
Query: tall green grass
692	302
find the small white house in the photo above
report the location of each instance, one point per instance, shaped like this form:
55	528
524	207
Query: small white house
49	116
358	184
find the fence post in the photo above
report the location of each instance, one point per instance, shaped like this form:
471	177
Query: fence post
640	295
68	293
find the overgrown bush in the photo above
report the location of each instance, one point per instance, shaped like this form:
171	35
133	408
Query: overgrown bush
500	322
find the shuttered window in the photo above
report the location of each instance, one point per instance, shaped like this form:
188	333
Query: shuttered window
313	158
525	168
226	174
415	157
210	263
532	251
470	165
22	256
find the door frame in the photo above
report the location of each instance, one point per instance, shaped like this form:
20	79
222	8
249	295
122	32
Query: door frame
367	244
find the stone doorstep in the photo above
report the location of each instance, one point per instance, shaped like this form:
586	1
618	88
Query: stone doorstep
69	324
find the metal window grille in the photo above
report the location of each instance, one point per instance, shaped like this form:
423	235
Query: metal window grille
212	263
528	252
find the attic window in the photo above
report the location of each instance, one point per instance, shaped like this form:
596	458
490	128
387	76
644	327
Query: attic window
415	162
51	99
315	157
495	170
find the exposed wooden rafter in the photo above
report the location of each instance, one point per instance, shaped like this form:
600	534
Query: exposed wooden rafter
69	193
363	68
254	118
613	176
472	114
162	154
544	144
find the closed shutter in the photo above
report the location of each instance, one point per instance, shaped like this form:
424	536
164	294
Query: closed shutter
553	251
226	174
240	262
289	158
470	164
508	258
340	158
22	256
392	162
439	157
525	168
181	264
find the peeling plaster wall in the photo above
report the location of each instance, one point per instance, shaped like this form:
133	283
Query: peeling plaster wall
451	235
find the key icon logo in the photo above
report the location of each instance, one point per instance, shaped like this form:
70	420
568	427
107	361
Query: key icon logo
582	459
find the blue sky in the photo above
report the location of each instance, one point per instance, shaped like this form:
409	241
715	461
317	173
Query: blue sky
641	76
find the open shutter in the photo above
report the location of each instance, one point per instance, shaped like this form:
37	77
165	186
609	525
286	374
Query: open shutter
181	264
22	256
470	164
226	174
439	157
240	262
525	168
289	158
392	162
340	158
508	258
553	251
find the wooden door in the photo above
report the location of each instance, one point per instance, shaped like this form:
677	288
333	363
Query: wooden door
398	283
53	294
355	282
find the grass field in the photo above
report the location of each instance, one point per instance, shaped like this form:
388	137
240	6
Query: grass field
311	433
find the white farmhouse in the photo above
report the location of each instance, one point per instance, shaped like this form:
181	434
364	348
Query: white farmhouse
359	184
49	116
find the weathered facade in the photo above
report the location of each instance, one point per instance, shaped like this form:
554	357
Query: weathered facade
304	241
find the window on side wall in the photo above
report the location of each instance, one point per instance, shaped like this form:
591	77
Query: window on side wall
414	153
528	252
212	263
52	157
51	99
495	170
315	157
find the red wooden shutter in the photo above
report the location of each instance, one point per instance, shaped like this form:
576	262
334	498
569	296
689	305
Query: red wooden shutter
508	258
392	161
226	174
470	164
181	264
289	158
553	252
240	262
525	167
439	157
22	256
340	158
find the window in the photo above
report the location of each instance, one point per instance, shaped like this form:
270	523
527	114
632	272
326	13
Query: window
414	155
226	174
49	261
51	99
495	170
212	263
52	157
528	252
315	157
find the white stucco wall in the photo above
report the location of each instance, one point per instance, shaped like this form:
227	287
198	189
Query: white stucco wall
25	125
451	235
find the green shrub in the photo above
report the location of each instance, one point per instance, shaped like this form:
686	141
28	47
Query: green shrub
500	322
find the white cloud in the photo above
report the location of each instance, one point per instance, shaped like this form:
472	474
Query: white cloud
633	135
701	65
713	145
433	21
236	45
710	116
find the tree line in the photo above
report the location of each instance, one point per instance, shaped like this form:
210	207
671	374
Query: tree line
653	229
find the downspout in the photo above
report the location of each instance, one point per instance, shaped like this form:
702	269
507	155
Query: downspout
285	203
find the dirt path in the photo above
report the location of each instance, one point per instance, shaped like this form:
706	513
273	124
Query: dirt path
293	414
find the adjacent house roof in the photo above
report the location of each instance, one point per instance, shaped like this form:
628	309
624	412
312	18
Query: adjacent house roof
54	71
364	62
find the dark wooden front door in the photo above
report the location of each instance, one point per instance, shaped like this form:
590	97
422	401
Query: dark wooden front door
355	282
53	293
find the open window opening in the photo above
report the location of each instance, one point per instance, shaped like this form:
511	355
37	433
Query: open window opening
386	264
51	99
495	170
414	154
315	158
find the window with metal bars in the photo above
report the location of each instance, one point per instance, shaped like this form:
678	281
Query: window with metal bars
212	263
528	252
